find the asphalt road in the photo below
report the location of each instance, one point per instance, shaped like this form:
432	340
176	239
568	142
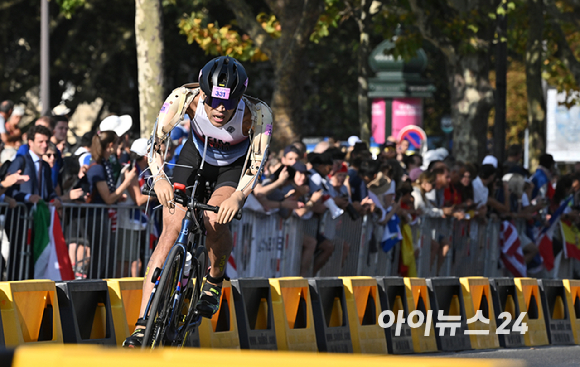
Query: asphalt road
557	356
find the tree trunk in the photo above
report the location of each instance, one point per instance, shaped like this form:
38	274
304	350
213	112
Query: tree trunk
500	126
286	102
471	101
297	21
149	39
363	72
536	103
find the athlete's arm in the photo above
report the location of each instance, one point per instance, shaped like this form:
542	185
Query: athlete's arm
181	100
260	131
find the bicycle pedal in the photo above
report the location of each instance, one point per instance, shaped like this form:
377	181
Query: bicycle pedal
155	275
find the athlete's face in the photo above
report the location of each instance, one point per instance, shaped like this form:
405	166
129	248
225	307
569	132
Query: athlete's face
218	116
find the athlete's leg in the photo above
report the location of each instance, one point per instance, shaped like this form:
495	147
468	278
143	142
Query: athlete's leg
219	236
219	244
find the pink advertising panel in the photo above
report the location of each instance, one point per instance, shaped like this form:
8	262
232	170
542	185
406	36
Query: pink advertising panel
378	120
405	112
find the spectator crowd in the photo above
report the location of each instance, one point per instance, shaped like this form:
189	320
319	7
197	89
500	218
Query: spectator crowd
105	167
396	188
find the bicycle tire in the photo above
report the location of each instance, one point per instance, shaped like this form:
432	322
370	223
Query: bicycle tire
162	302
198	273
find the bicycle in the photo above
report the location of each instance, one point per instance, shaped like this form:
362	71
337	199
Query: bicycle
171	310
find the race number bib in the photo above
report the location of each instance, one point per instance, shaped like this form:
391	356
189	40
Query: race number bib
220	92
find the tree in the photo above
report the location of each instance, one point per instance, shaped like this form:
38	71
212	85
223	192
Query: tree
281	38
463	33
535	94
297	21
149	40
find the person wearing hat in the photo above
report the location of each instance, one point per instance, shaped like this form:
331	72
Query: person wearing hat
230	134
132	222
178	138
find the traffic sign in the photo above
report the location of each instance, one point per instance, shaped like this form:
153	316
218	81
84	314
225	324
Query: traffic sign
414	134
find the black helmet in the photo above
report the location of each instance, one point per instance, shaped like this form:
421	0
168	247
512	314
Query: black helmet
224	81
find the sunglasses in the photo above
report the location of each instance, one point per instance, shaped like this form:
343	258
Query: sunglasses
214	102
50	155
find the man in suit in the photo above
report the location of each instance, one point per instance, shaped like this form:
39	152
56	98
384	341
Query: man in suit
31	164
38	187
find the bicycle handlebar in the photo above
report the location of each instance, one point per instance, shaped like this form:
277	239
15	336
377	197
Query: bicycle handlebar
181	198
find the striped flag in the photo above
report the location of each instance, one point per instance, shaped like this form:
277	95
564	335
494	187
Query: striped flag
571	237
544	239
512	255
51	259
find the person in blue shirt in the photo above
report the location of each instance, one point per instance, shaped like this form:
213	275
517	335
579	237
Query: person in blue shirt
178	138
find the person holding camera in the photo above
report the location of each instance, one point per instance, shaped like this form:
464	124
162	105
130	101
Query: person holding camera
284	189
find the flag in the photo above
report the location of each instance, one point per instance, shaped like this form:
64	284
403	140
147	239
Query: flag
512	255
51	260
571	237
544	239
392	233
408	266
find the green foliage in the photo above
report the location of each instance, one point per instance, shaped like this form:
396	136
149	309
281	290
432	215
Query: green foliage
554	70
226	40
69	7
329	19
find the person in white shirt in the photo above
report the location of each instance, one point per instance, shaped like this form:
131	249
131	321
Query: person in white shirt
480	185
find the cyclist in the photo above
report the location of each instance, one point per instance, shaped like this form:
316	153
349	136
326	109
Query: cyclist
234	131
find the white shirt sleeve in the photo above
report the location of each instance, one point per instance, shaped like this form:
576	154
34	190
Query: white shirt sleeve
525	200
480	193
2	125
393	189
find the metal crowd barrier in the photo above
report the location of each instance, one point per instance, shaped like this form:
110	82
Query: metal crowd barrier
108	241
15	232
102	245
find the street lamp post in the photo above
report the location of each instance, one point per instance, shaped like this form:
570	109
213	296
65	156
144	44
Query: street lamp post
44	57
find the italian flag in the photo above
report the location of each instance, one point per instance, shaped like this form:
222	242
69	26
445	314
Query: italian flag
51	260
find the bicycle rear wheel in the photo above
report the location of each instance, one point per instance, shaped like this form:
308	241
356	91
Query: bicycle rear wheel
162	305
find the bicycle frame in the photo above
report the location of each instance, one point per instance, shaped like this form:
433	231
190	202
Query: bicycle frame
192	225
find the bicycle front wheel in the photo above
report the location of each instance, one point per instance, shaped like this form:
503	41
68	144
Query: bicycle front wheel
162	305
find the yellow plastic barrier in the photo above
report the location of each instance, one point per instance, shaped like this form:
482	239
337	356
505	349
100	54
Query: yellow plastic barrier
125	295
530	301
364	308
573	300
293	314
418	299
222	330
477	297
30	312
95	356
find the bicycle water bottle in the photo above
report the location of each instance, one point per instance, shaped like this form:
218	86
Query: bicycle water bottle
186	269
